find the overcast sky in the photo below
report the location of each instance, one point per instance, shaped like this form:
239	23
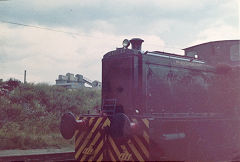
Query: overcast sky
82	31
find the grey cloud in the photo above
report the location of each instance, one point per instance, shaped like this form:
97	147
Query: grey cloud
166	20
175	19
122	15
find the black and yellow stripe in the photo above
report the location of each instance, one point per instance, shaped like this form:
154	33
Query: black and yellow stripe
133	148
95	144
89	144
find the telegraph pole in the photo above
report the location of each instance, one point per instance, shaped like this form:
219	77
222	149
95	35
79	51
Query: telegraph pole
25	76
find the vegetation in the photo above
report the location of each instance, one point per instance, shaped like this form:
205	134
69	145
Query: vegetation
30	113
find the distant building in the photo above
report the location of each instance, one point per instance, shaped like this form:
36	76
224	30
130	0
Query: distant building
77	81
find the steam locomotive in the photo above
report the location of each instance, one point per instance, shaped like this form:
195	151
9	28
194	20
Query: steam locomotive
163	106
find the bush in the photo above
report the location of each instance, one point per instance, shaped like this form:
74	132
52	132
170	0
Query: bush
30	114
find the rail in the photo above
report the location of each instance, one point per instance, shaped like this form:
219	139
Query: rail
37	155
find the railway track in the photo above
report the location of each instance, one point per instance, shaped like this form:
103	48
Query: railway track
48	155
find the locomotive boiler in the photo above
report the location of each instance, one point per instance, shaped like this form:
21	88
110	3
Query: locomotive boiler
163	106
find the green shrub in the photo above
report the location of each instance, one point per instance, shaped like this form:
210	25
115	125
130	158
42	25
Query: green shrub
30	114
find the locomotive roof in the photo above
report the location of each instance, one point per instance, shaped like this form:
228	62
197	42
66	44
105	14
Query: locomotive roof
119	51
214	42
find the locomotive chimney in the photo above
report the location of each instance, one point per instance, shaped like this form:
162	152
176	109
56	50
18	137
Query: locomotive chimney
136	43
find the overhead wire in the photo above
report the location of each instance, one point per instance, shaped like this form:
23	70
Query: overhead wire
38	27
74	33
